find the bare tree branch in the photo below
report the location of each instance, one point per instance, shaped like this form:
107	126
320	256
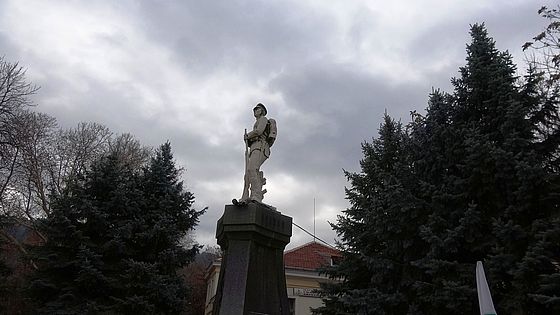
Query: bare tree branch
547	44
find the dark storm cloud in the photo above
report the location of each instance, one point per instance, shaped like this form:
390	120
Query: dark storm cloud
8	50
512	28
246	36
511	25
347	103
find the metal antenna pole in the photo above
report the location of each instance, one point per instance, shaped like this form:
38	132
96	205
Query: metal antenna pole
314	220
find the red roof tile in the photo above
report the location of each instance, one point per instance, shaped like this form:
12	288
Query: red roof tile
310	256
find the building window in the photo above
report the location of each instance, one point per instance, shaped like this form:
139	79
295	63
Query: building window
335	260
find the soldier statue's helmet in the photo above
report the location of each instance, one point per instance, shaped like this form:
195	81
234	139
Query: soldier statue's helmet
260	105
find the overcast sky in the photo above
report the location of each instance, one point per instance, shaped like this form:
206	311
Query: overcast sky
191	72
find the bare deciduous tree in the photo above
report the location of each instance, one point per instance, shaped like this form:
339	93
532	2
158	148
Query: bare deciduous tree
28	189
74	150
547	44
14	89
14	98
129	149
15	94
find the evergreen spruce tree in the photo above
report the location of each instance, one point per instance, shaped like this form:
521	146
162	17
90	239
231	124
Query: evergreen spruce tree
88	231
494	191
544	101
482	184
378	232
113	241
167	216
482	126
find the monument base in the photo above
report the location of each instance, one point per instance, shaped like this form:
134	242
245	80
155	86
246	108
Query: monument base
252	278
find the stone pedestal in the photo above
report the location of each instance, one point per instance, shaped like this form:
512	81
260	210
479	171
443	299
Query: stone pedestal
252	278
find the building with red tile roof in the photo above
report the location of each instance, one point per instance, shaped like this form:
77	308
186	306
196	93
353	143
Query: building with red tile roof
311	256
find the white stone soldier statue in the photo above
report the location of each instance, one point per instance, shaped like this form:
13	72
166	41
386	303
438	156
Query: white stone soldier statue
257	149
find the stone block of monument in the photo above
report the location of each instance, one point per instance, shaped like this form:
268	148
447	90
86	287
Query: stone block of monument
252	279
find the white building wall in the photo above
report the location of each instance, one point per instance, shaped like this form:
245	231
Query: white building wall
304	300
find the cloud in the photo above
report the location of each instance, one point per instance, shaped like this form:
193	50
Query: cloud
191	71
